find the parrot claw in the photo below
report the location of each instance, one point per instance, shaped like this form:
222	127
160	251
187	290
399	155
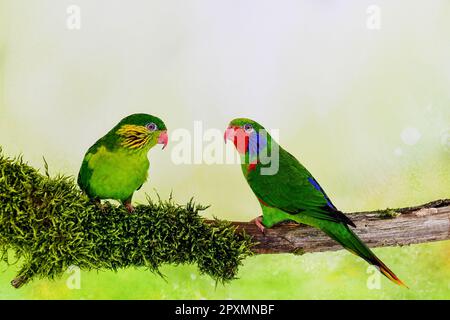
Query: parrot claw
129	207
259	224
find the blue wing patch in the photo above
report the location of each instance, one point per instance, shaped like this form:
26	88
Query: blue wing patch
319	188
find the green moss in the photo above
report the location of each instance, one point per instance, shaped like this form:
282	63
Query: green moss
388	214
299	251
50	225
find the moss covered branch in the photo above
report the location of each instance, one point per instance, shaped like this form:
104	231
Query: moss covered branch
49	225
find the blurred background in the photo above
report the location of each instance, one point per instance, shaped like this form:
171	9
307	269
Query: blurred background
358	89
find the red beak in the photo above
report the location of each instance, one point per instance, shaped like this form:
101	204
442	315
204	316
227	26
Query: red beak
163	138
229	134
238	136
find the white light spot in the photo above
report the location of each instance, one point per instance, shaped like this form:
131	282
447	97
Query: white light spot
398	152
410	136
193	276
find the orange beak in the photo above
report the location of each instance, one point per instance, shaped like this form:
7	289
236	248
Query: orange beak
229	134
238	136
163	138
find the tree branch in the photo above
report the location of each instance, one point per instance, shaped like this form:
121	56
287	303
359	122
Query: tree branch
49	225
381	228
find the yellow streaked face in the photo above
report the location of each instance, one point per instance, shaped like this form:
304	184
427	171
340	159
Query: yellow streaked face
137	137
133	136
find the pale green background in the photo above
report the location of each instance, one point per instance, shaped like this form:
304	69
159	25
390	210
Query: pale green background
340	94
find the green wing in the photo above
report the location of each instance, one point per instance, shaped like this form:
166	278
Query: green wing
294	190
85	173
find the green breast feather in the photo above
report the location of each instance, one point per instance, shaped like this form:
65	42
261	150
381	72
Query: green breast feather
114	174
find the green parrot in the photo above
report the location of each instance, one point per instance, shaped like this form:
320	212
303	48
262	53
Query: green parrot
117	164
290	192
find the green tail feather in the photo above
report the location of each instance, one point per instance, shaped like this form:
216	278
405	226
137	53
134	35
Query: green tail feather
338	231
342	234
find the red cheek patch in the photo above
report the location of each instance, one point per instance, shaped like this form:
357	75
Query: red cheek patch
241	141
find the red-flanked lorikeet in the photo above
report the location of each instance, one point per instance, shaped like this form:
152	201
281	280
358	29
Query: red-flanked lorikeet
287	191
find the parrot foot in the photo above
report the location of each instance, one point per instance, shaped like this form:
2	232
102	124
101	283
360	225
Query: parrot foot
259	224
129	207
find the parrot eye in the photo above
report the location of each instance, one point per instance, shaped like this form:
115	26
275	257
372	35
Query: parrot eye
248	127
151	126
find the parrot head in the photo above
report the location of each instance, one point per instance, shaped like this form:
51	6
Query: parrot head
247	135
141	132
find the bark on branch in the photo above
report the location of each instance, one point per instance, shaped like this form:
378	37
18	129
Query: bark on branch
381	228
